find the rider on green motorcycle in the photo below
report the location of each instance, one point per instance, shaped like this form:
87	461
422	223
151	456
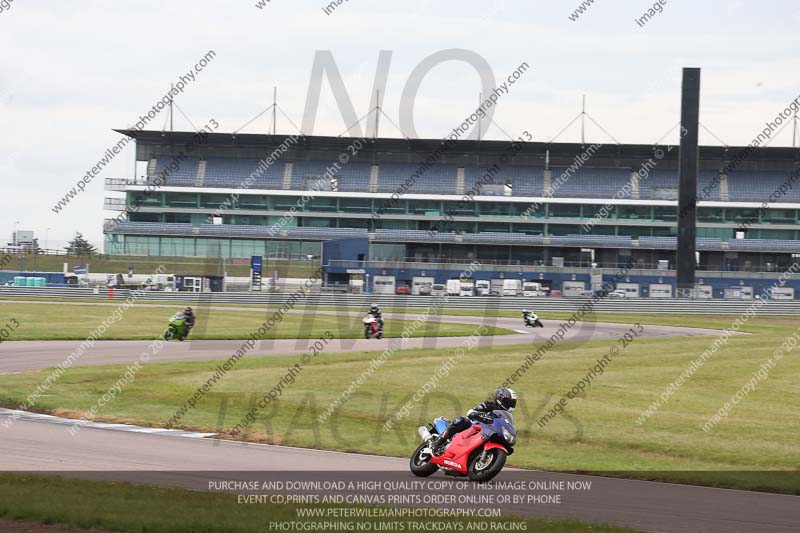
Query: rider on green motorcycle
189	316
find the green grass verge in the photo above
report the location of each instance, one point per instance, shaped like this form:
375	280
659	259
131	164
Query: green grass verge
136	508
61	322
411	312
598	432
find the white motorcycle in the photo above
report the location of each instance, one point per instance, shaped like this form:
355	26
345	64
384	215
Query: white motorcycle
532	321
372	328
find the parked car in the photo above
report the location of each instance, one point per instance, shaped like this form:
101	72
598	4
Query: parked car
403	289
555	292
419	285
617	294
438	289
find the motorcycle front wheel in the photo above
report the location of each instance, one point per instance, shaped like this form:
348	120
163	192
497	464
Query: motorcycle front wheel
168	335
420	466
485	470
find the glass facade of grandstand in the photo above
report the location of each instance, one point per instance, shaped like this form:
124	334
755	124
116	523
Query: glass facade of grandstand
535	206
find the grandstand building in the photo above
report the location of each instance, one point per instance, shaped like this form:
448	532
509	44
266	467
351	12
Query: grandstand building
549	211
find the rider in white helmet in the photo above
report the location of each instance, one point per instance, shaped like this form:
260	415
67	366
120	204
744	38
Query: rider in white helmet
375	311
531	318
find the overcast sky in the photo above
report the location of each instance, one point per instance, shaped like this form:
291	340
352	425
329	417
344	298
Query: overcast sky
72	71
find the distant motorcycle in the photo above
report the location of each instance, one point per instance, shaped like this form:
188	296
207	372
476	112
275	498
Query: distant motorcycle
479	452
372	328
177	328
532	321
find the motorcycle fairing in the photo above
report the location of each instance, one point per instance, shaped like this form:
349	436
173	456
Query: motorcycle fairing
456	456
492	445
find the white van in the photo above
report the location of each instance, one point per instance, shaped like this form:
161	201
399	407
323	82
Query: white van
453	287
512	287
482	287
532	288
467	288
383	284
496	287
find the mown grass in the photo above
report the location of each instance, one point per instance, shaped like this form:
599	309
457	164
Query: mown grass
412	312
61	322
756	447
119	506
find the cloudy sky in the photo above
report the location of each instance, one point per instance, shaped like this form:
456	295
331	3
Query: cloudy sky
72	71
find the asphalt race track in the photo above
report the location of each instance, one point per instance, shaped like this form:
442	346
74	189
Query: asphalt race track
25	356
113	451
42	446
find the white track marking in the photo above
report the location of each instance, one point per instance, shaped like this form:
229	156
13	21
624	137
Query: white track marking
50	419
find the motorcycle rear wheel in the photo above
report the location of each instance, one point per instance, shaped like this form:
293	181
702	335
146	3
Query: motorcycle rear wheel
419	466
483	471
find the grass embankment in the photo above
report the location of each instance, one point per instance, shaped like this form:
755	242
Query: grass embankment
407	312
126	507
597	433
61	322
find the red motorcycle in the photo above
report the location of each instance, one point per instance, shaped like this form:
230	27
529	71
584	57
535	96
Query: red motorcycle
372	328
479	452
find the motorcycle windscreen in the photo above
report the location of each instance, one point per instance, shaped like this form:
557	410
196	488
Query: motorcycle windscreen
505	415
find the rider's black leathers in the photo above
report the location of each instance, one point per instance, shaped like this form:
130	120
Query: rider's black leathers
464	422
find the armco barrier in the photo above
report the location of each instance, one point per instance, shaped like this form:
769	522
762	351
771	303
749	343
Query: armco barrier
622	305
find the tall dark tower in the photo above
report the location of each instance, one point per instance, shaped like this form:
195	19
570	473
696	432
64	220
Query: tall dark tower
687	178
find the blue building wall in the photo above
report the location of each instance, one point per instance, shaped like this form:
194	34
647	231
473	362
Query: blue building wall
354	249
555	280
53	278
718	285
347	252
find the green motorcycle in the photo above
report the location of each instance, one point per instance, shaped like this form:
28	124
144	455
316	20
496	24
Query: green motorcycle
177	329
